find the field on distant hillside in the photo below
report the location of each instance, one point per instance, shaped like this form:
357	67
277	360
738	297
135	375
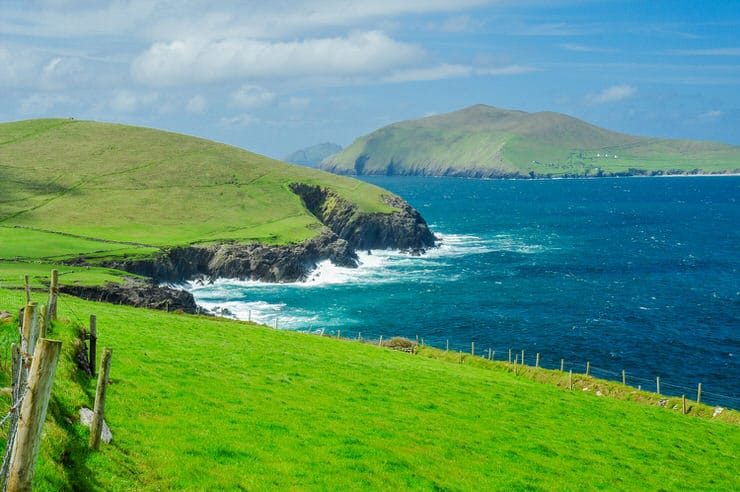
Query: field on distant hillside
486	141
204	403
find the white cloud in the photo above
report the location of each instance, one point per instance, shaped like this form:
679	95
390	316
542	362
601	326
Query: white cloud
449	71
252	96
125	101
458	23
196	105
711	115
614	93
195	61
244	119
581	48
708	52
41	104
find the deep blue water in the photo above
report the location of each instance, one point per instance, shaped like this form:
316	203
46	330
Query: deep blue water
640	274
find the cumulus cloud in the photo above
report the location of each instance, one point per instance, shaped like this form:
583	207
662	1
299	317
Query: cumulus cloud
192	60
611	94
250	96
196	105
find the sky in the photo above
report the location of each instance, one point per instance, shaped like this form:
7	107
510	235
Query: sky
276	76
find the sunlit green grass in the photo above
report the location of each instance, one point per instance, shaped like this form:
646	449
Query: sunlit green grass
205	404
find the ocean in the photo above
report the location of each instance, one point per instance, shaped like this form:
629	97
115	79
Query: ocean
634	274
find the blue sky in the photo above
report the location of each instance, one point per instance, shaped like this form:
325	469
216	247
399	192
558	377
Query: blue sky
276	76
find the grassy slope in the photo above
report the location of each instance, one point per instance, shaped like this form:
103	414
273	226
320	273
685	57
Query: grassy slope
482	138
207	404
119	190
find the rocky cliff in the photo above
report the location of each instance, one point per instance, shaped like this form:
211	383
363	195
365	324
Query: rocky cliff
345	231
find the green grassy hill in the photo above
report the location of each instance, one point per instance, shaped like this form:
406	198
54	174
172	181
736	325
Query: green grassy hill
201	403
483	141
80	188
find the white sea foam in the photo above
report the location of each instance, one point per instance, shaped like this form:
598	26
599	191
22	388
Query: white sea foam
227	296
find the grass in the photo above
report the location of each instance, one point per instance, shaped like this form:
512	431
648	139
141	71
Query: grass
71	189
204	403
487	141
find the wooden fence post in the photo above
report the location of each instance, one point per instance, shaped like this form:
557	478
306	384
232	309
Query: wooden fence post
30	328
32	415
339	333
657	384
509	356
683	404
522	357
96	427
489	353
27	288
493	355
447	349
537	360
588	368
44	322
624	377
53	293
380	342
422	341
472	348
570	380
93	343
698	394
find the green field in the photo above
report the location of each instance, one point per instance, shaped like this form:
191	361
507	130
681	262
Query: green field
209	404
71	189
485	141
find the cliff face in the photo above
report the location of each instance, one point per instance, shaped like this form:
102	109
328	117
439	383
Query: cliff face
346	230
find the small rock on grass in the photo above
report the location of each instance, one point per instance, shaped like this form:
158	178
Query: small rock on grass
86	417
717	411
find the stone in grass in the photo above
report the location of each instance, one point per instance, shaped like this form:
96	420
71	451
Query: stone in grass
86	417
717	411
5	317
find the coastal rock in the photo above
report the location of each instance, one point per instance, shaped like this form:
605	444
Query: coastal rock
345	230
86	418
136	293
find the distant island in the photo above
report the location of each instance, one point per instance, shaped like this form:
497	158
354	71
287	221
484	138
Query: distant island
488	142
313	155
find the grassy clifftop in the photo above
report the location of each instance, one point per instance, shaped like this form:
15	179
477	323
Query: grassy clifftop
203	403
486	141
81	188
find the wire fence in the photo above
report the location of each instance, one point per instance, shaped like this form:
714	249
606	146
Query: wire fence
637	379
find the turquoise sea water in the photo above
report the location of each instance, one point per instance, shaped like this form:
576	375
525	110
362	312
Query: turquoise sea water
640	274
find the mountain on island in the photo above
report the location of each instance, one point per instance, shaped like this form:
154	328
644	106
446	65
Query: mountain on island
313	155
484	141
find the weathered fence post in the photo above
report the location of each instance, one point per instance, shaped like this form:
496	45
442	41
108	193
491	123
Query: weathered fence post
30	328
588	368
27	288
99	410
562	365
422	341
657	384
447	349
537	360
509	356
522	357
472	348
683	404
489	353
493	355
380	342
276	322
53	293
339	333
698	393
359	335
44	326
570	380
624	377
32	415
93	343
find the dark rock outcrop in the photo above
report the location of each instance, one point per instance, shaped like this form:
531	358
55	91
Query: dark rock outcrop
136	293
403	229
